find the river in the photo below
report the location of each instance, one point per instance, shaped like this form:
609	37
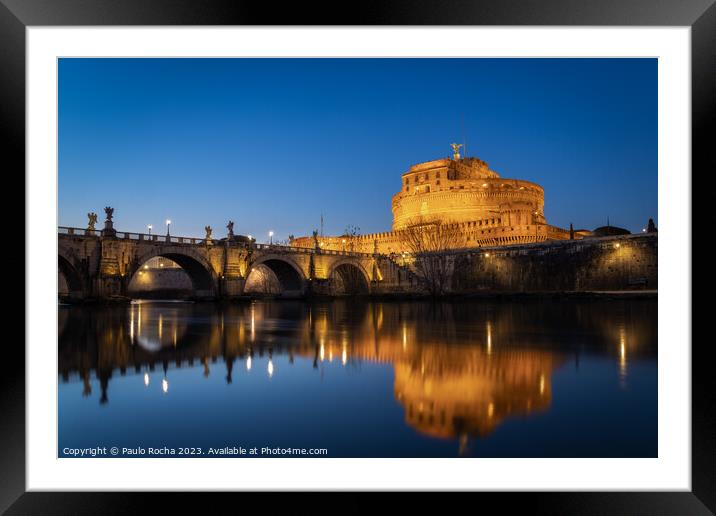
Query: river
341	378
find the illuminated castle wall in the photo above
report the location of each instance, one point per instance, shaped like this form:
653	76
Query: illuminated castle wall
488	209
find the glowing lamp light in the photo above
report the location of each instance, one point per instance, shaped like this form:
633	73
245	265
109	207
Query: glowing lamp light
146	379
487	255
484	185
248	363
617	245
165	385
270	368
489	338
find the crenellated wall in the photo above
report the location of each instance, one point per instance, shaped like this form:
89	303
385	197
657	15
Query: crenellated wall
479	233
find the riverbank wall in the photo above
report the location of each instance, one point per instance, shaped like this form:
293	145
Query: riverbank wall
627	263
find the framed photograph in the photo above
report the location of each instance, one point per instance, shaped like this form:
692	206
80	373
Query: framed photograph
416	250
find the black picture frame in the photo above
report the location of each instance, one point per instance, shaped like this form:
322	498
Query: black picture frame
700	15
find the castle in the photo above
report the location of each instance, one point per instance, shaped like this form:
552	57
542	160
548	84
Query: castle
464	194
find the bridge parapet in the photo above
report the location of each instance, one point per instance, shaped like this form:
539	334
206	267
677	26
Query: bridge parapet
62	230
127	235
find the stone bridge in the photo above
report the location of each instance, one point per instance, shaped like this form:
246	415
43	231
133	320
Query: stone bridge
100	265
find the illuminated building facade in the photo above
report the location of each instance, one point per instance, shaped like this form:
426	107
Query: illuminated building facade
489	210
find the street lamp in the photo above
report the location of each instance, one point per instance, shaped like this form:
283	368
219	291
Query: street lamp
168	222
149	227
271	237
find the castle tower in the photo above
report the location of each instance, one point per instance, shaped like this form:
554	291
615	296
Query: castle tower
489	210
465	190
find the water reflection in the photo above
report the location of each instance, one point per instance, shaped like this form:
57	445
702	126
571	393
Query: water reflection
460	370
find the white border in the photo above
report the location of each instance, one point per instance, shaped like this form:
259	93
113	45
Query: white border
670	471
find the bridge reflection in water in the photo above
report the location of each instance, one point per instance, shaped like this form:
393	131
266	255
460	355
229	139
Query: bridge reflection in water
460	370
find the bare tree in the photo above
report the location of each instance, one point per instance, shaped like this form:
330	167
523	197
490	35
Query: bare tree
349	237
428	243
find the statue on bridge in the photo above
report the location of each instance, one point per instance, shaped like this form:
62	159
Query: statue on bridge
230	227
208	232
108	230
92	216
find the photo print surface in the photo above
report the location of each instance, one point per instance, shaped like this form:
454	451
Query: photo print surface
357	257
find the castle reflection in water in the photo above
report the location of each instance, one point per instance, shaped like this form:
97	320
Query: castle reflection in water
460	369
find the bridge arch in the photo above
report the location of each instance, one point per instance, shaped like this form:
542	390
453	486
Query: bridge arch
288	273
76	287
349	277
197	267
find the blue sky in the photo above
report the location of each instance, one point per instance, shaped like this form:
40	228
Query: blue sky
274	143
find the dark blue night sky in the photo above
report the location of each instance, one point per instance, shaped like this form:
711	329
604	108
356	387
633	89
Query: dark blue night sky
273	143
